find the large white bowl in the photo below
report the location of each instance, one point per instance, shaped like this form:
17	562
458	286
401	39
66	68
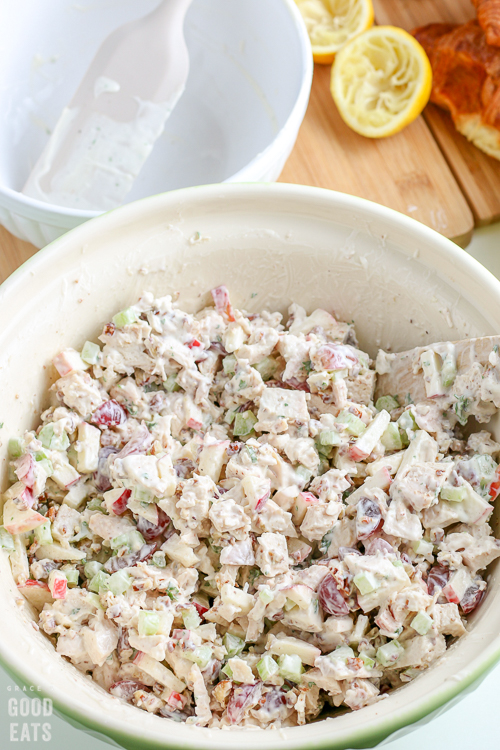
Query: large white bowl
237	121
403	284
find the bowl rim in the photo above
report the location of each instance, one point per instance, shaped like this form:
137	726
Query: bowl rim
450	691
37	210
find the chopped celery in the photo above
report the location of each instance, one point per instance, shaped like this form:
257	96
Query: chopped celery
99	582
391	439
329	438
149	622
191	618
342	654
266	367
266	595
243	423
6	540
43	534
71	574
226	669
170	384
46	465
365	582
303	474
267	667
389	653
290	667
16	447
125	317
233	645
323	465
84	532
251	452
454	494
229	364
92	568
353	425
159	559
90	353
95	504
229	416
448	370
367	660
422	623
142	495
52	441
201	656
387	402
407	421
119	582
461	408
133	541
421	547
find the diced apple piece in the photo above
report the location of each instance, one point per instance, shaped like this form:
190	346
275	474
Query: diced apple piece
15	490
67	361
167	474
381	480
237	598
110	497
457	586
309	620
298	550
64	474
89	439
58	584
473	508
17	521
302	503
300	594
430	362
180	552
19	561
422	448
76	495
159	672
365	444
391	463
149	511
37	593
212	459
58	552
289	645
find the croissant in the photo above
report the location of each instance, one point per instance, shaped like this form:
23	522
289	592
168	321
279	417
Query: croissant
466	80
488	15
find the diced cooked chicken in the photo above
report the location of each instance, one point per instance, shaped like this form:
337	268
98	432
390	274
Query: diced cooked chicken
79	391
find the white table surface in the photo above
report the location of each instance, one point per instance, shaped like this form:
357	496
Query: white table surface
473	723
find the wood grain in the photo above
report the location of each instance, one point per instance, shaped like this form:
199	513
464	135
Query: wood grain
406	172
13	252
477	174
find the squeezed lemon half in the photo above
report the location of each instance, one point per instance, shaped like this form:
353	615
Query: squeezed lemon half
331	23
381	81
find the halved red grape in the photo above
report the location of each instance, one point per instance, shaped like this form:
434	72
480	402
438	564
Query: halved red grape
110	414
331	600
368	518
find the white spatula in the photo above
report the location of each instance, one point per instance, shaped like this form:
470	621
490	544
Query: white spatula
109	128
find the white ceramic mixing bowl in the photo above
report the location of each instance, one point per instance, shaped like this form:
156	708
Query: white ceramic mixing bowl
237	121
402	283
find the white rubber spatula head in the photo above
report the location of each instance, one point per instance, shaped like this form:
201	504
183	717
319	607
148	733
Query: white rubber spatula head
109	128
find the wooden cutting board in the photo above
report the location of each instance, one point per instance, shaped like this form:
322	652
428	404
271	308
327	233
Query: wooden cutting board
406	172
477	174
